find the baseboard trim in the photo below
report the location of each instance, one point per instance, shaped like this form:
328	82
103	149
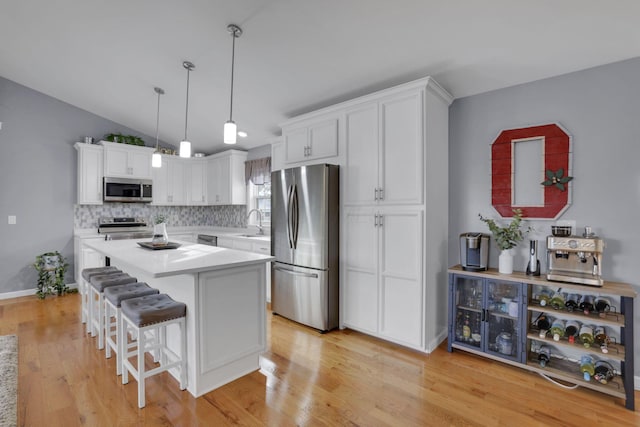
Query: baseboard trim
28	292
636	382
434	343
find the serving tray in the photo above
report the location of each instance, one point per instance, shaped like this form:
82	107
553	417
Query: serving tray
149	245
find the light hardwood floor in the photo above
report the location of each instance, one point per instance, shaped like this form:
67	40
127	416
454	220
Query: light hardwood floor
340	378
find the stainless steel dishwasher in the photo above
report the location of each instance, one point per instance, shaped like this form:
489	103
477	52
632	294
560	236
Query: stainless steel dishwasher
206	239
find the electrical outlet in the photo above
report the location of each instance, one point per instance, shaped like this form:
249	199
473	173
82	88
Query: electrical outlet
12	219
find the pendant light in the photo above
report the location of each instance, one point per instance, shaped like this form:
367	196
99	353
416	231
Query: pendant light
230	128
185	145
156	158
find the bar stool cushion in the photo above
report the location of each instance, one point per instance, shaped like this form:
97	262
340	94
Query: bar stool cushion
119	293
99	283
87	273
151	309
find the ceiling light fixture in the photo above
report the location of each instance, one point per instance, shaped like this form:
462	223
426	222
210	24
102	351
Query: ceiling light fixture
230	128
242	134
156	158
185	145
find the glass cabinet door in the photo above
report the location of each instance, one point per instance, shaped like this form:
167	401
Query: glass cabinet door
467	309
504	311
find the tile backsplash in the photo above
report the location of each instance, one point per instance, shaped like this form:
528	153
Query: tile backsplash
86	216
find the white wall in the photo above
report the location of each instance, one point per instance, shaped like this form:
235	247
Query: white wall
600	108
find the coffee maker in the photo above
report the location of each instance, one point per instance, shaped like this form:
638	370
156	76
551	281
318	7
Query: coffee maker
575	259
474	251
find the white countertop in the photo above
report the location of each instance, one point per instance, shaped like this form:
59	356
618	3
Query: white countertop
187	259
232	233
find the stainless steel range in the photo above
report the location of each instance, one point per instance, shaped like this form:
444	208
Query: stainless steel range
119	228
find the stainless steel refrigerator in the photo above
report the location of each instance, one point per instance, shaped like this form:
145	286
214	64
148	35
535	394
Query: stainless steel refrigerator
305	223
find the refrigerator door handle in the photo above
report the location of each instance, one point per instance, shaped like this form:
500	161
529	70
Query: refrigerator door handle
296	273
294	216
289	192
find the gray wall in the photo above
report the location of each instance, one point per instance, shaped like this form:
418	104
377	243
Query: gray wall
600	108
38	177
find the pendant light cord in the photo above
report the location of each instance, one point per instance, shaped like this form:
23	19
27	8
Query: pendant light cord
158	119
186	113
233	60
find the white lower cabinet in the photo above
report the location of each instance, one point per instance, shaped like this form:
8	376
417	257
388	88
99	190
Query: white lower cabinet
85	257
384	288
260	247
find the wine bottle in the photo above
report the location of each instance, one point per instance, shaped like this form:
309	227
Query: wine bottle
603	371
544	356
586	367
557	329
602	305
571	302
586	335
544	296
466	327
586	304
557	301
543	324
571	330
601	338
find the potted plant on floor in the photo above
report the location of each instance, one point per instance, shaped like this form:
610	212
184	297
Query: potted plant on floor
506	238
51	268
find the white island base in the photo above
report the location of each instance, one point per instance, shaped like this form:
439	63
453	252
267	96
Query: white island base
225	294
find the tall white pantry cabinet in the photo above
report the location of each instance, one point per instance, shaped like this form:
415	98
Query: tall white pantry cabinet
394	210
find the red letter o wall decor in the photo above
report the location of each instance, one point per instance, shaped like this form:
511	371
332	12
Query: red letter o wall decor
556	152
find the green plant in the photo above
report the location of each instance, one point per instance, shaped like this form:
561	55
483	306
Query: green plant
159	219
507	237
124	139
51	268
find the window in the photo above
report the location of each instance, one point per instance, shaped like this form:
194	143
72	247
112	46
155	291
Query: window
259	198
258	178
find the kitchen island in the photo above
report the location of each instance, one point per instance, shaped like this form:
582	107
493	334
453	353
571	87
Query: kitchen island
224	291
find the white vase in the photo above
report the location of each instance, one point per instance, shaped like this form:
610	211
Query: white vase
505	262
160	236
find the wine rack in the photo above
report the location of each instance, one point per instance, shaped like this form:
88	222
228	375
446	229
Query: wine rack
565	367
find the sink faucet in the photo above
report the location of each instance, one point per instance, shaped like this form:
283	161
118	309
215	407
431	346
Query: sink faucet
260	230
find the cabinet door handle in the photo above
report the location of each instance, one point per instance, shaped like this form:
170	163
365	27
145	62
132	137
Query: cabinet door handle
375	194
380	223
380	194
375	220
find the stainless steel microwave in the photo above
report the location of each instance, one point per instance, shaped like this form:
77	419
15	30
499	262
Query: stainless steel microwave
127	190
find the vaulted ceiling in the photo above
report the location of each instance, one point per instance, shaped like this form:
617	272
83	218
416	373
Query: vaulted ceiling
105	56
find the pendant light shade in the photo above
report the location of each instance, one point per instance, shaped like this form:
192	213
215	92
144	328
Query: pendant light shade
230	128
185	145
230	132
156	158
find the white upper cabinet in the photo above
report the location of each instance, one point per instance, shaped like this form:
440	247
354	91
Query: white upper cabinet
361	171
310	141
385	151
277	155
225	178
197	190
169	181
127	161
401	149
90	162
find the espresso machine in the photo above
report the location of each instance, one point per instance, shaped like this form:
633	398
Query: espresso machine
474	251
575	259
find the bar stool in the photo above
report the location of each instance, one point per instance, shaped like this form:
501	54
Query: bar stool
140	315
83	288
113	297
96	302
